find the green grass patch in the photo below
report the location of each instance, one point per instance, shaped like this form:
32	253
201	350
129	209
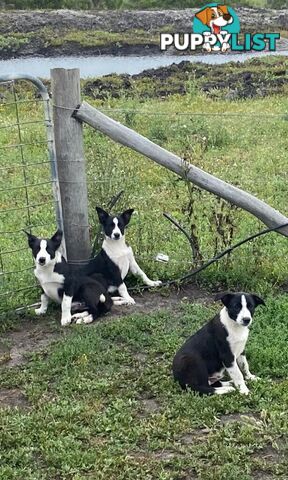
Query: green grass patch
103	404
97	38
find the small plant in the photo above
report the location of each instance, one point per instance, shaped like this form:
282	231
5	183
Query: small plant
223	224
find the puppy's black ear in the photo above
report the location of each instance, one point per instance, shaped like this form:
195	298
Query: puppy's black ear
225	297
127	215
31	239
102	215
258	300
57	238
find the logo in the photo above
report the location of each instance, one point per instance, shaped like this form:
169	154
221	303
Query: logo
216	28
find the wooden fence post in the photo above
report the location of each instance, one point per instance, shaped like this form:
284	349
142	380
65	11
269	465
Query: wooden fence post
70	162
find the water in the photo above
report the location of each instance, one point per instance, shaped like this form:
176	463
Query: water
98	66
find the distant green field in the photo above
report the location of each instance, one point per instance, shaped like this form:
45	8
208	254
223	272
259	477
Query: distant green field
248	149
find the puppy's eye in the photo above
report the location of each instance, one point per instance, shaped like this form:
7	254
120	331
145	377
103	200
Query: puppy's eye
213	16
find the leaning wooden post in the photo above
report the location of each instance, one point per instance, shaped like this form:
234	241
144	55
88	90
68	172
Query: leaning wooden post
71	162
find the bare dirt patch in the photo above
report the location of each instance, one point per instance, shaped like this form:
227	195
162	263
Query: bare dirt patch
258	475
140	357
4	352
149	302
31	336
247	418
35	335
149	406
196	435
234	81
13	398
164	455
269	455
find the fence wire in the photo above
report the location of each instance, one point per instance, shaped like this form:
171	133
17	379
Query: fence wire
29	196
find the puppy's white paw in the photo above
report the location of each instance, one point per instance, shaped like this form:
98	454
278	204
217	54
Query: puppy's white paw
155	283
78	315
88	319
40	311
229	383
84	320
129	301
65	321
123	301
224	390
253	378
244	390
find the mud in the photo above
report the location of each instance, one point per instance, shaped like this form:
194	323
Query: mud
13	398
230	82
33	23
149	301
195	436
246	418
30	336
123	20
149	406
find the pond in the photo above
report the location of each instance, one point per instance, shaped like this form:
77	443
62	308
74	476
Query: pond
98	66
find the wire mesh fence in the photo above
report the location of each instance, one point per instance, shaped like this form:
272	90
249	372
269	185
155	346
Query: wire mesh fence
28	184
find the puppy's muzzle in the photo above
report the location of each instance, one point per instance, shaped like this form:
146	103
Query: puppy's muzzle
246	321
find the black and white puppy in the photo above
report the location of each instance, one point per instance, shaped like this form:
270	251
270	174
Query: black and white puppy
116	258
64	286
219	347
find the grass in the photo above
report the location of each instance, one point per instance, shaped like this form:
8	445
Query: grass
49	38
95	38
102	404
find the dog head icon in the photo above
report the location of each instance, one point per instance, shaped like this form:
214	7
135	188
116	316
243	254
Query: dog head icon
216	18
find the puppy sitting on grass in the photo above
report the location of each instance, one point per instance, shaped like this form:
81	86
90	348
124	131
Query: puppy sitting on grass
219	347
63	286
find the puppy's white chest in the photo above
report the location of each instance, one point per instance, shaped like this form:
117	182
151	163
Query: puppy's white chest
237	341
50	282
120	254
122	263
